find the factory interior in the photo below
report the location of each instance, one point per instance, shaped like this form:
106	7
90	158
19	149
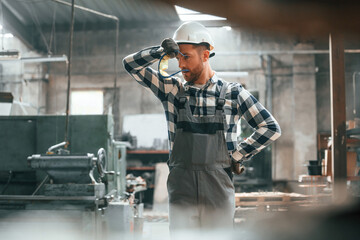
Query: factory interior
84	148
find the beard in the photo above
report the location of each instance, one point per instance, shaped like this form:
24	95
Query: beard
194	74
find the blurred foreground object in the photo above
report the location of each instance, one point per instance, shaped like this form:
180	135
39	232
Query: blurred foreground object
312	18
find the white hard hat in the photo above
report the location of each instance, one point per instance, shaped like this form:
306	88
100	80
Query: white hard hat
193	33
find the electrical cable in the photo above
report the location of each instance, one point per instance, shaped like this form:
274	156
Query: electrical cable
72	20
11	174
162	76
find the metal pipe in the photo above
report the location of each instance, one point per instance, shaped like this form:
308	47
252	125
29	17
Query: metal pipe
49	58
354	91
115	67
46	198
88	10
25	81
269	83
279	52
69	71
56	146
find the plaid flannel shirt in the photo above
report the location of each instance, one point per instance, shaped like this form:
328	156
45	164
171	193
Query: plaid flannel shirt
239	104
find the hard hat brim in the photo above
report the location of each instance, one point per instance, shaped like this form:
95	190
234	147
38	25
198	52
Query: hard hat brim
196	43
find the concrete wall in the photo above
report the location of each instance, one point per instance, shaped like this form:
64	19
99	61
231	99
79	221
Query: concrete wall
304	125
26	81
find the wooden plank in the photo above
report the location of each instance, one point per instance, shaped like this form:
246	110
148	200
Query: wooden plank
277	203
277	199
338	116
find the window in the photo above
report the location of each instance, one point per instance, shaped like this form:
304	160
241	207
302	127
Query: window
87	102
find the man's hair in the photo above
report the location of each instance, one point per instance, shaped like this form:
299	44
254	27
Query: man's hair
205	44
201	47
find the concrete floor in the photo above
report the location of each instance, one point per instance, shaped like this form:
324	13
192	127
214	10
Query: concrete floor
156	231
330	222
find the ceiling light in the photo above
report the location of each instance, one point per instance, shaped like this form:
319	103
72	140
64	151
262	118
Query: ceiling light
7	35
190	15
49	58
9	54
14	55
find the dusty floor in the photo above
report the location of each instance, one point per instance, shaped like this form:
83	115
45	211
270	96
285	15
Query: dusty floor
155	231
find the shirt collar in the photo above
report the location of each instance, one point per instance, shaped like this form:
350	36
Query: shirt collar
213	80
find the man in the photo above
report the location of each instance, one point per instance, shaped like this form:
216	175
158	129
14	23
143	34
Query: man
202	115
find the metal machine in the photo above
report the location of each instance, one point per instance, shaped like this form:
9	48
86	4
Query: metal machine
82	192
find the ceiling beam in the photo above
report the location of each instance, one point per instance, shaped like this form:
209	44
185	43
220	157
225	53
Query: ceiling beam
127	25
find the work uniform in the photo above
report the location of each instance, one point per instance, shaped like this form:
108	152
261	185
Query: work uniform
202	135
201	192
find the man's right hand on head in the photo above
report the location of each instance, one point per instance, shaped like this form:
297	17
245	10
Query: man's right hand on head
170	47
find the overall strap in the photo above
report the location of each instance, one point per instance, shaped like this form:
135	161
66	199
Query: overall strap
220	101
182	98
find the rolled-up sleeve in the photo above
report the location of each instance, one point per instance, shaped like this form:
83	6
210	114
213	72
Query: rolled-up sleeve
267	129
138	66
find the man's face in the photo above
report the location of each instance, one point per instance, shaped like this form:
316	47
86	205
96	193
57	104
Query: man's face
192	61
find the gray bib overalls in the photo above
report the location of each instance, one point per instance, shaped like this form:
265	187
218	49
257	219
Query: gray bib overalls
201	192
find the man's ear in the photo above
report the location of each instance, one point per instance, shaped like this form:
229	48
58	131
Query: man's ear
206	55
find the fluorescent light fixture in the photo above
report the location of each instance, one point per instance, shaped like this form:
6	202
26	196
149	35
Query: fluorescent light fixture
4	57
62	58
190	15
9	55
7	35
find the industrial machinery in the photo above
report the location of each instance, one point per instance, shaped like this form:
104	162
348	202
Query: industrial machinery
84	193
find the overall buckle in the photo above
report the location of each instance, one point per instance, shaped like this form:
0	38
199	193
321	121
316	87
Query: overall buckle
182	101
220	103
